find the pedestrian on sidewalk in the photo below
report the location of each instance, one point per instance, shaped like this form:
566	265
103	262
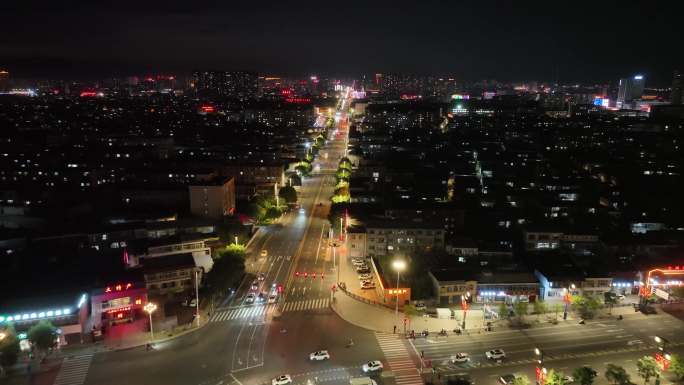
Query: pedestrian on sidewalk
395	329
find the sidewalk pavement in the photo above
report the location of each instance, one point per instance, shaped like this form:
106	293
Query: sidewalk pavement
380	318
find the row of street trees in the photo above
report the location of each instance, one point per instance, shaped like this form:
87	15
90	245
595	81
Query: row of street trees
647	368
42	336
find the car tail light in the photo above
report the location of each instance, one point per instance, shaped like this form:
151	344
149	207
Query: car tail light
313	275
306	275
296	274
322	275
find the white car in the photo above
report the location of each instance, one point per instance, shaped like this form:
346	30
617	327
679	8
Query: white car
372	366
495	354
319	355
365	276
282	380
367	285
250	298
272	298
459	358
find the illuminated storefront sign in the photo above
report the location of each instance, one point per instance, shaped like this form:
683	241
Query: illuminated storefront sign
118	287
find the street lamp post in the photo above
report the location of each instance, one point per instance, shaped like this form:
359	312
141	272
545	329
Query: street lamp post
150	308
540	370
464	305
197	297
566	299
236	240
399	265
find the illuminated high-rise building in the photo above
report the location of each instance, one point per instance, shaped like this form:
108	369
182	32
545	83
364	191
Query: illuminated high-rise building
676	94
630	89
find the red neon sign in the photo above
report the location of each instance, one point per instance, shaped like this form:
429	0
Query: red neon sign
118	287
120	310
88	94
207	108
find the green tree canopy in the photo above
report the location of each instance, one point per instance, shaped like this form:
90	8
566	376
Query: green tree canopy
584	375
521	380
677	366
342	191
288	193
521	309
554	377
540	308
586	305
43	335
503	310
9	348
617	375
228	269
647	367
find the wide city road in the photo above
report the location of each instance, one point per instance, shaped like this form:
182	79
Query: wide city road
250	343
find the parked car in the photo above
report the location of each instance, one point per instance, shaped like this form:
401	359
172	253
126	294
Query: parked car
250	298
365	276
420	306
495	354
367	285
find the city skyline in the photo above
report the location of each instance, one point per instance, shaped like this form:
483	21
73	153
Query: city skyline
588	42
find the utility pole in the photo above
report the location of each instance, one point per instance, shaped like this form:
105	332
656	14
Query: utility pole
197	296
275	189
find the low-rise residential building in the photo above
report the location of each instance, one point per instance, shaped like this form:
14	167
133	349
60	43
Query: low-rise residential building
556	281
544	240
389	237
452	284
172	274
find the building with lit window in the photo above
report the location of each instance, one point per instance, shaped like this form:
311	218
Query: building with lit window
630	89
118	302
233	84
213	199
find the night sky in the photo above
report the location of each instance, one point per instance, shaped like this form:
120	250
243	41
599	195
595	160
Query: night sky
506	40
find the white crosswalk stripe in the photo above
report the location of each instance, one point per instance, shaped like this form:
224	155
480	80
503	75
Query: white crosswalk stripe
398	359
310	304
74	370
243	312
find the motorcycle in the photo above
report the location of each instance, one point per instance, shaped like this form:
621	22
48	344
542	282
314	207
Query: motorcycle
443	332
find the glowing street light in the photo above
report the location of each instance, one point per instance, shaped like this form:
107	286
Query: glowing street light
566	298
150	308
399	265
2	336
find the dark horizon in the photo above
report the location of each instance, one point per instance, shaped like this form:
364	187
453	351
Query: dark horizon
589	42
